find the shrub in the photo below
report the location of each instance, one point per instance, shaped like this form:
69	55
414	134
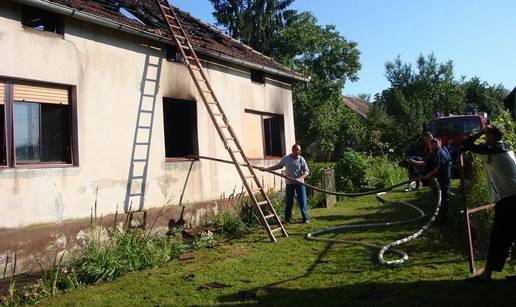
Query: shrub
357	172
230	223
383	172
350	172
316	178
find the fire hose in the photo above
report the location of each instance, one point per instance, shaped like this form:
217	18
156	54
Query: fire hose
383	249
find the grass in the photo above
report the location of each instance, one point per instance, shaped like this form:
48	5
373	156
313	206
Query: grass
296	272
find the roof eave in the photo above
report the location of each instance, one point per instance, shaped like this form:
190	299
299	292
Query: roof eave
74	13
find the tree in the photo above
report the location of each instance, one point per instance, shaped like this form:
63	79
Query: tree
416	94
329	60
482	96
320	53
254	22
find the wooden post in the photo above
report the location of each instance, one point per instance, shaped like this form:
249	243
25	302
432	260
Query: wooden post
467	224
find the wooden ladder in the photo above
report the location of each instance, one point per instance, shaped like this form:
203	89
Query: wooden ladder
264	207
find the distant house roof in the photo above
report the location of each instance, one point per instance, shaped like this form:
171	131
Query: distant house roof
360	106
205	38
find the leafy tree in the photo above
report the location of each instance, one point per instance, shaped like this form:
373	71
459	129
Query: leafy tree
416	94
254	22
319	52
482	96
329	60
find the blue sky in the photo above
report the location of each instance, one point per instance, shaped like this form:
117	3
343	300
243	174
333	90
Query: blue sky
479	36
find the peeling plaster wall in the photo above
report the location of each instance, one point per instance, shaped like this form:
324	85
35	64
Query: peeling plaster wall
106	68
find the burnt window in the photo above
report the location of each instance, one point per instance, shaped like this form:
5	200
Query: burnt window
42	20
258	76
180	123
264	135
173	55
3	147
274	136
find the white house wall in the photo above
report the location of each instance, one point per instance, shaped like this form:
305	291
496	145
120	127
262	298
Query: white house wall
106	68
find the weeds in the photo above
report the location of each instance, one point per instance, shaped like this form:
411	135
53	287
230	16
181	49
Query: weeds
206	239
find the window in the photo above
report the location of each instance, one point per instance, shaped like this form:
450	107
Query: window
264	135
180	123
257	76
173	55
40	132
42	20
274	136
3	147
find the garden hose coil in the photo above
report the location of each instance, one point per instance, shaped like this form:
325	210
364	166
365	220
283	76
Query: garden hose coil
314	236
390	247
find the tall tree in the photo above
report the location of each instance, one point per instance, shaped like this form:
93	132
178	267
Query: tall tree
254	22
415	94
319	52
329	60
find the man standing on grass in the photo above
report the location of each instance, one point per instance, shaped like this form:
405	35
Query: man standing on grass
295	167
501	176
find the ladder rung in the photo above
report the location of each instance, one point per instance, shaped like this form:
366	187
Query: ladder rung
139	160
207	91
145	111
136	194
269	216
143	127
218	114
151	80
153	65
236	151
212	102
141	143
224	126
276	229
195	68
137	177
260	203
230	139
175	27
148	95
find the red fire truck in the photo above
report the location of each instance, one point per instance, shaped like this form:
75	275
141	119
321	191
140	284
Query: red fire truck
454	129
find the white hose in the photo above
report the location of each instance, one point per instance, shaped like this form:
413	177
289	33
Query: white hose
314	236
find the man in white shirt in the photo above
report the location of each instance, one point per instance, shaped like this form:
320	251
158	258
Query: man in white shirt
295	167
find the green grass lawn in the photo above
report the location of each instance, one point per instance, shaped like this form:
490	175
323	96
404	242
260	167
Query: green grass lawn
297	272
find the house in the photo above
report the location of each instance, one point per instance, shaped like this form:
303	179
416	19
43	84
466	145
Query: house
97	113
359	106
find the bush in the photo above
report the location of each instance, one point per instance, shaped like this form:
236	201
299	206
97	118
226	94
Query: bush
106	258
383	172
351	172
357	172
231	225
316	178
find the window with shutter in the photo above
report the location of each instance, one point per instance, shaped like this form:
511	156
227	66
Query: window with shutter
42	124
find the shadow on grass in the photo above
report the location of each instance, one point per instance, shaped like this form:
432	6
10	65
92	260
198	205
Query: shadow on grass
420	293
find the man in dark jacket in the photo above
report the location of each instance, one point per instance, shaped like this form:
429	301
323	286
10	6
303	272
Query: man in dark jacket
501	176
441	170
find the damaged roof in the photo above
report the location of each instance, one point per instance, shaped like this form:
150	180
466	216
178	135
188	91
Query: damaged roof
360	106
205	38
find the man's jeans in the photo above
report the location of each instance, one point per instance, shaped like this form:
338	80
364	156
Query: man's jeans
301	199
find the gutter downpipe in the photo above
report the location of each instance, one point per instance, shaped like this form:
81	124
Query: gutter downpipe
78	14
